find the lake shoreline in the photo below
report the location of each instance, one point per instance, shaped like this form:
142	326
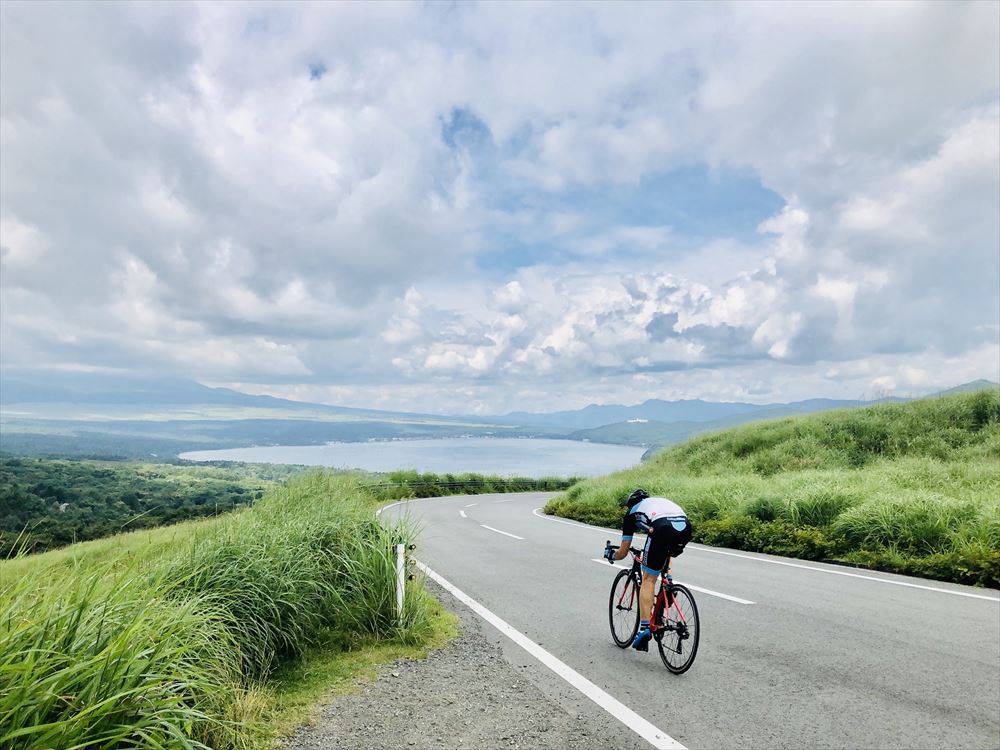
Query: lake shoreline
502	456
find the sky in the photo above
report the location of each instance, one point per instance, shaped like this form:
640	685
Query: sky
460	207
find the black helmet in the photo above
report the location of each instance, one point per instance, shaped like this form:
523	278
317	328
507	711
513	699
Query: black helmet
636	496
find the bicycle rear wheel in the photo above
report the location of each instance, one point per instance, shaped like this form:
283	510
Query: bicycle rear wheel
623	609
679	630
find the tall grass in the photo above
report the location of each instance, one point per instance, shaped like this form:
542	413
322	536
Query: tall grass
910	487
85	663
171	648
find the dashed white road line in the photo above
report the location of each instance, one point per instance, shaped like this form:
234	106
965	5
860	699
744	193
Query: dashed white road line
515	536
654	736
729	597
712	550
462	514
471	504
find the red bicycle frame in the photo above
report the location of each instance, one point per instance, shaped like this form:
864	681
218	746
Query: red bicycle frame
661	603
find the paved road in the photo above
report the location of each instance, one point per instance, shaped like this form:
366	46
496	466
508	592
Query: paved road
825	657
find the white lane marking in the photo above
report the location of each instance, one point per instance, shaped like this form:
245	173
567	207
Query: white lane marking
689	585
497	502
462	514
655	737
574	523
398	502
702	548
471	504
501	532
716	593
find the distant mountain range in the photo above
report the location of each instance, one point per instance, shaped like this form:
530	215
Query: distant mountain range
668	411
71	412
48	387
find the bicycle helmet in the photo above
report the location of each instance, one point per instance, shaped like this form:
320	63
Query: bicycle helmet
636	496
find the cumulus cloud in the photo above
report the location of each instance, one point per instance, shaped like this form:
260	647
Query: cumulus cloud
356	200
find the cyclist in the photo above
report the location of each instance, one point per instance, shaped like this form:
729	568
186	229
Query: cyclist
667	530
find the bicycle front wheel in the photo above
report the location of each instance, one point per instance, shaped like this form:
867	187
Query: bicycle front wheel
623	609
679	630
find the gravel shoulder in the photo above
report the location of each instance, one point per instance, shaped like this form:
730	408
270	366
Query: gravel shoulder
466	695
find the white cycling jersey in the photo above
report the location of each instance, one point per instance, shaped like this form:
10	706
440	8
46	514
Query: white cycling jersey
646	512
658	507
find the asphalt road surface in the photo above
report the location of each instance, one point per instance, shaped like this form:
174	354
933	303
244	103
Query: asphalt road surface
793	654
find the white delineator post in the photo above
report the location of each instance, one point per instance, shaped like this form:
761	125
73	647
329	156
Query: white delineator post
400	578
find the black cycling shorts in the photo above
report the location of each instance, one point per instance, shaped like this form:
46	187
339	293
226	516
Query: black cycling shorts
664	540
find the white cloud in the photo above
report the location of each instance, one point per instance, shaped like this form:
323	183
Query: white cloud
178	191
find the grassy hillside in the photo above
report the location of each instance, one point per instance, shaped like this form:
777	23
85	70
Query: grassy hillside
911	487
173	637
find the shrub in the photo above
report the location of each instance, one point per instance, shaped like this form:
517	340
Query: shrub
821	507
766	508
917	522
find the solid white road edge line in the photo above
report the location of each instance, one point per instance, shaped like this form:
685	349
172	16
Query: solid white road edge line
502	532
393	505
702	548
655	737
689	585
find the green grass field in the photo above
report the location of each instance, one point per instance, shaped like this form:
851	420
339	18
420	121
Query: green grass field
215	633
912	488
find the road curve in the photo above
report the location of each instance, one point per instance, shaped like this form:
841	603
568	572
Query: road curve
793	654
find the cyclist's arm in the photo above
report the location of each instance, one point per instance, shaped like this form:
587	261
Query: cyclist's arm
623	548
628	528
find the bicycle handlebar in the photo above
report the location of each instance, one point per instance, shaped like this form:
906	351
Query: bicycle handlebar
633	550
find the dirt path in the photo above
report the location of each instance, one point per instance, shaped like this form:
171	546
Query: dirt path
467	695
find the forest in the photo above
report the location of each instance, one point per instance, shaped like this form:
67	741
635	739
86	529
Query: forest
50	503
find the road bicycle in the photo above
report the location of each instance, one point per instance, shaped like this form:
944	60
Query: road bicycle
674	621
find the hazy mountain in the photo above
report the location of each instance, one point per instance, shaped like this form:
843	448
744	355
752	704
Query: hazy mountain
32	387
975	385
666	411
52	387
654	433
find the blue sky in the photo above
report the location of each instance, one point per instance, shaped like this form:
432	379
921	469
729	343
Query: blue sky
486	207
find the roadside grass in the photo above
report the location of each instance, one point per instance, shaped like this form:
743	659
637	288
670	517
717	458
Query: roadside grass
912	488
206	634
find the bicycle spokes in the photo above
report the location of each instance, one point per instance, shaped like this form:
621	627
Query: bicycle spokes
678	636
623	610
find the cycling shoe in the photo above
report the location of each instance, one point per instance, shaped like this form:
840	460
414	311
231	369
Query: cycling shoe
642	638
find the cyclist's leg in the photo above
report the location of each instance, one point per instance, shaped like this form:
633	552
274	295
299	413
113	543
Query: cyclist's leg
646	594
657	556
643	634
653	557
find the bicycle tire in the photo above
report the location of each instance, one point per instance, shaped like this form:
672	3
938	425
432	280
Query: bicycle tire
678	638
624	620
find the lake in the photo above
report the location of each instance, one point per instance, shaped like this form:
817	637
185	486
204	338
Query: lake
528	457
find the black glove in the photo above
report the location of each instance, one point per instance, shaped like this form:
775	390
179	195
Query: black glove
609	553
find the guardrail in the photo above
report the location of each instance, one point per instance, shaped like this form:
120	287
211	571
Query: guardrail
540	484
